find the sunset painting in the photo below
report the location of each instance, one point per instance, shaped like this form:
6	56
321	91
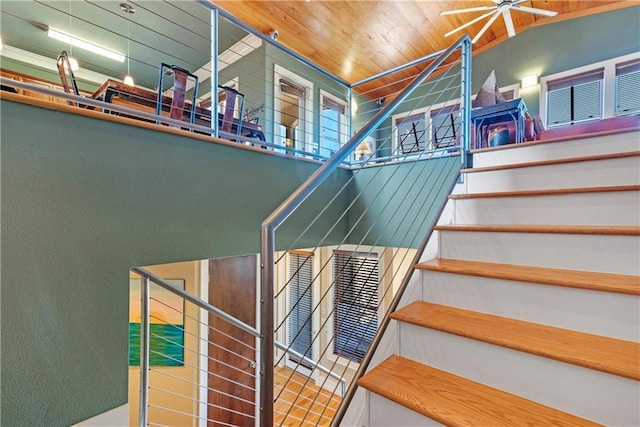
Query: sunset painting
166	328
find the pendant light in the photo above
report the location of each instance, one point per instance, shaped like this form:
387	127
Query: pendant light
128	79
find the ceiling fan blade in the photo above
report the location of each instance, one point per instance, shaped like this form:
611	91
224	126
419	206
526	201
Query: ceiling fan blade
473	21
534	10
471	9
508	22
486	26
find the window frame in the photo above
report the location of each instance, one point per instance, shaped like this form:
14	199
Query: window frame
306	142
329	318
315	316
634	66
343	125
514	88
608	87
573	83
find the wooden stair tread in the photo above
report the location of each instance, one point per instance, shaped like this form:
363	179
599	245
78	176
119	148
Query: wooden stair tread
604	354
617	230
456	401
550	162
547	192
604	282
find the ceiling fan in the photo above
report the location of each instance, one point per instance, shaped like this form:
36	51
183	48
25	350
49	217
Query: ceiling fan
501	7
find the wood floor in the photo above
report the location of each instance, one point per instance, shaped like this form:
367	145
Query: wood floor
302	404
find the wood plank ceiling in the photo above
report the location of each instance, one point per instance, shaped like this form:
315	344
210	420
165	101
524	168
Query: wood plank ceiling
358	39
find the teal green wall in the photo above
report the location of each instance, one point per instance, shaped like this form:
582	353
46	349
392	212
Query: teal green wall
250	71
547	50
553	48
399	201
83	200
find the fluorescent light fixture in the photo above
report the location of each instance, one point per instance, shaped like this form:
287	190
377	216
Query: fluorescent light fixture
82	44
529	81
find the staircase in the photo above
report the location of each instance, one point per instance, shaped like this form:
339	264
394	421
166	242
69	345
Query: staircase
530	314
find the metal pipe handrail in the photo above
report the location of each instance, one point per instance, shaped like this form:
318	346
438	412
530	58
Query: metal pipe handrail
197	301
283	211
155	118
277	217
103	105
398	68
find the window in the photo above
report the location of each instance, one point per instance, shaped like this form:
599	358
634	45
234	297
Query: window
333	126
627	88
300	306
445	126
412	133
575	99
293	110
355	315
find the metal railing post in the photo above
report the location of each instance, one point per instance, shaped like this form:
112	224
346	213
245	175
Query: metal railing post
214	72
267	260
465	71
144	352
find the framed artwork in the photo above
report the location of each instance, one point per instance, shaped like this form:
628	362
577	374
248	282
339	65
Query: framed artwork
166	325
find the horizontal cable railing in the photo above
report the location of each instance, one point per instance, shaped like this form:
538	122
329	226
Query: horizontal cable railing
173	397
177	331
264	94
331	300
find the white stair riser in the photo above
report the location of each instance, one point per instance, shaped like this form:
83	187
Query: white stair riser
607	208
524	153
386	413
600	397
599	173
617	316
601	253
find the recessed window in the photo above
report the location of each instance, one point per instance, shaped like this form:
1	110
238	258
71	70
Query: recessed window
300	307
575	99
412	134
355	316
333	126
628	88
445	126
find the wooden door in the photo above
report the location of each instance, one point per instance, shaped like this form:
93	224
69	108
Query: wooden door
232	378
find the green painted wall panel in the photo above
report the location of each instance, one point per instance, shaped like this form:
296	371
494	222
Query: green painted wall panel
547	50
553	48
83	200
399	201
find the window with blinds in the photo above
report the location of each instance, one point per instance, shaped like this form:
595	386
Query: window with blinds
575	99
412	134
628	88
355	315
300	306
